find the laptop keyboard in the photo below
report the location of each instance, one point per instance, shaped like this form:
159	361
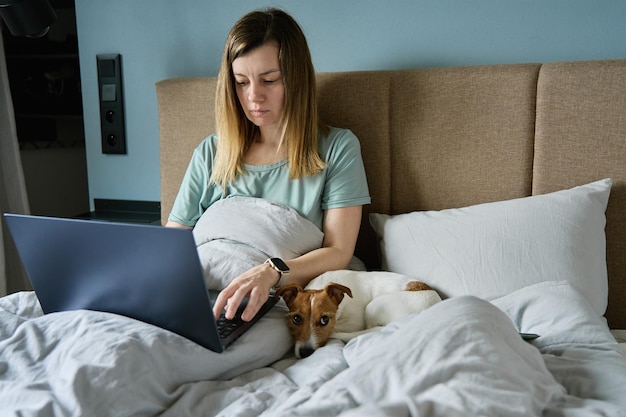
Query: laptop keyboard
225	327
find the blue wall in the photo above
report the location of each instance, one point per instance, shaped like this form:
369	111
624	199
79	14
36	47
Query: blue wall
160	39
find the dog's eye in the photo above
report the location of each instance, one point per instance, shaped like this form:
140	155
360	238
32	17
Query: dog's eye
324	320
297	319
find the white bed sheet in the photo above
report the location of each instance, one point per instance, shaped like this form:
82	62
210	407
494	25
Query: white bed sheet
620	337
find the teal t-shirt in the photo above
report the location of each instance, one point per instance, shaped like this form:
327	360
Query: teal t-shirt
341	184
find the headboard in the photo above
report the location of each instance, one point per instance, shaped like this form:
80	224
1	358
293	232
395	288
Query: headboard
451	137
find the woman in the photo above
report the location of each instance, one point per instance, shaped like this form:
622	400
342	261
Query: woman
270	144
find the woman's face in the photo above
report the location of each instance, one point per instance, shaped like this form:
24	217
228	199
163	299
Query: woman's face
260	87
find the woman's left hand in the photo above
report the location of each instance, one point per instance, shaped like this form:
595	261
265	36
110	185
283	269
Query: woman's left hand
255	284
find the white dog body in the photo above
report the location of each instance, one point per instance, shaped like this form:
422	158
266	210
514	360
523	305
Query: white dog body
378	298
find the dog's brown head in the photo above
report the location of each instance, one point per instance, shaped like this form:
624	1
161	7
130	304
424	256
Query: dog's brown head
312	314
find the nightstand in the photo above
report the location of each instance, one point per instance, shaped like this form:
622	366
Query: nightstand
124	211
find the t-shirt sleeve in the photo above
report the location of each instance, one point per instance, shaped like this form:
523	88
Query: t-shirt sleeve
346	182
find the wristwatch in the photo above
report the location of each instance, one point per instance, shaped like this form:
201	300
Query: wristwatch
281	267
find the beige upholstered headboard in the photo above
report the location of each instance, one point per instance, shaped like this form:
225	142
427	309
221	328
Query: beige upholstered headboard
451	137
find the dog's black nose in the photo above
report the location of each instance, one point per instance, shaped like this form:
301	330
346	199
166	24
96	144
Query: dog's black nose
306	352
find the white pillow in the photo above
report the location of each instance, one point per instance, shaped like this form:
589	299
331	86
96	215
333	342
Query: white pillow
490	250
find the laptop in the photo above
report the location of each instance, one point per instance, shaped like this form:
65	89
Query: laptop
146	272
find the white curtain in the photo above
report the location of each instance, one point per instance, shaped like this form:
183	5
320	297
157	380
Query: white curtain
13	198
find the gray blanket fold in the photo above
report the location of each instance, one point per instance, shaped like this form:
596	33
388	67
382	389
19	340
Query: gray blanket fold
237	233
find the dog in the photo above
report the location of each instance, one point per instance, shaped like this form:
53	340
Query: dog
321	311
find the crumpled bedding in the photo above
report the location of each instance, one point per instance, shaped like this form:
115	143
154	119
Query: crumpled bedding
460	357
463	356
237	233
620	336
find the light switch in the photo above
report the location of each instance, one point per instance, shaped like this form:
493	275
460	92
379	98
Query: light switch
108	92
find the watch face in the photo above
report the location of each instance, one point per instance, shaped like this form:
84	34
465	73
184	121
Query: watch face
280	264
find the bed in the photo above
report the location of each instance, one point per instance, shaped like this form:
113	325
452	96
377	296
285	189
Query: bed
503	187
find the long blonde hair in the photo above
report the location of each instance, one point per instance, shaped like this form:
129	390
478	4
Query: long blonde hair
299	122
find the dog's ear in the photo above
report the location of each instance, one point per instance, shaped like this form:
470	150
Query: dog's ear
336	292
289	292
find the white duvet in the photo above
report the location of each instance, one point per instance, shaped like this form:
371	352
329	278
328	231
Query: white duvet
460	357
